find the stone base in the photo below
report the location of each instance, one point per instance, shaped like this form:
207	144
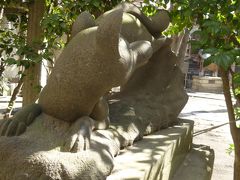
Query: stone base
198	164
157	156
207	84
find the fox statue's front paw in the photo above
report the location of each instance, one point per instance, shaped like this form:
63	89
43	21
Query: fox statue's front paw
78	136
18	123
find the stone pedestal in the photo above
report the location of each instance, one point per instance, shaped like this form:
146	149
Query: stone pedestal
207	84
157	156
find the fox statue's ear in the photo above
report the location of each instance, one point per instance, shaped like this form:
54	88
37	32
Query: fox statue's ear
84	20
107	37
160	21
155	24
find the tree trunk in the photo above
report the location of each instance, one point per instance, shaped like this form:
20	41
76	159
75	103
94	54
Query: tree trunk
2	67
177	39
33	73
235	131
237	160
183	49
11	103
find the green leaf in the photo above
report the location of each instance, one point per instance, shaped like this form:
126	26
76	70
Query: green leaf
224	60
230	149
18	63
211	51
166	1
25	63
235	52
10	61
210	23
20	51
195	44
96	3
236	79
2	46
237	60
208	61
9	50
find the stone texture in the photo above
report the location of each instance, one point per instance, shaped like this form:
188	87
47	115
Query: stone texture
94	61
156	156
144	100
85	71
37	154
207	84
74	106
197	165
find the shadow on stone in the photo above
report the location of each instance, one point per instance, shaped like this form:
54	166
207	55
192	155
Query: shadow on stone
198	164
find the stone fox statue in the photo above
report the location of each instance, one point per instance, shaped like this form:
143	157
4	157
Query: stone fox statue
100	55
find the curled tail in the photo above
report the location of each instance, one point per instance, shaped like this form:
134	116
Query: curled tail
155	24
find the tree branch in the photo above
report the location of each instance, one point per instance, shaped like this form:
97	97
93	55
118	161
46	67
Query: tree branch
226	90
237	97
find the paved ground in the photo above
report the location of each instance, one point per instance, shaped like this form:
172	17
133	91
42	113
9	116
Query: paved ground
208	111
4	102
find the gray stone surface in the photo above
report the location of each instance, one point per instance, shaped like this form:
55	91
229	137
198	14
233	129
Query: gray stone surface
156	156
198	164
207	110
150	104
61	143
